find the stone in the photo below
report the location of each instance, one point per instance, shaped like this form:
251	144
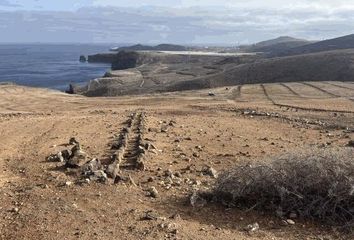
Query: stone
290	222
91	166
58	157
66	154
153	192
200	148
284	223
68	183
15	210
351	143
78	157
164	129
172	123
99	176
211	172
197	201
114	168
150	215
120	178
83	58
73	141
196	155
252	227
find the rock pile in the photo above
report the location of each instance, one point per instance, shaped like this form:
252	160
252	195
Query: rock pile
128	150
75	157
134	130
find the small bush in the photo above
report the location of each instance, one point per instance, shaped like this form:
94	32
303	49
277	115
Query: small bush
315	184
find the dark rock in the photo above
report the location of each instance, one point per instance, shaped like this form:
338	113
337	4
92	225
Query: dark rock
211	172
197	201
71	89
78	157
351	143
83	58
91	166
99	176
73	141
58	157
196	155
66	154
120	178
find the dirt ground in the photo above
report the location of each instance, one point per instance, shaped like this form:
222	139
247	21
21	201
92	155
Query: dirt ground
191	131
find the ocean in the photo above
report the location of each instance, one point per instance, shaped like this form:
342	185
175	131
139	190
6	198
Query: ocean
49	65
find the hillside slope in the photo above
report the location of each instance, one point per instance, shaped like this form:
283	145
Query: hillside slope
148	72
345	42
326	66
276	45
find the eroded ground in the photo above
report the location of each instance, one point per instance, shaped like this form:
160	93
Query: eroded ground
238	125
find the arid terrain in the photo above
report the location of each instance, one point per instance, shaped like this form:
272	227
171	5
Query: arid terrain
284	59
191	132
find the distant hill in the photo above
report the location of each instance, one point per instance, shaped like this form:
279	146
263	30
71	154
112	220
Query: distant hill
151	72
345	42
160	47
279	44
324	66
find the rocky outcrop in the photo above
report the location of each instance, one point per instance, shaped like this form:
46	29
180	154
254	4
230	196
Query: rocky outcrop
120	60
102	58
83	58
130	59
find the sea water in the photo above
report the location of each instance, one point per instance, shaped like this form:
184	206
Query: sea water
52	66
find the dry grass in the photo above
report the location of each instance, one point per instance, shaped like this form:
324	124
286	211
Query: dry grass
317	184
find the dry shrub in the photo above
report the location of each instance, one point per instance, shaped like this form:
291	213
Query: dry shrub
317	184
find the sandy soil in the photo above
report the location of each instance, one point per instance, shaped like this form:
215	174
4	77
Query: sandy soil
207	131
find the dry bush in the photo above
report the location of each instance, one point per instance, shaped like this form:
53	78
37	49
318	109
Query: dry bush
317	184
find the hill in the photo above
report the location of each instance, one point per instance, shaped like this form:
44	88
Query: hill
276	45
324	66
160	47
345	42
151	72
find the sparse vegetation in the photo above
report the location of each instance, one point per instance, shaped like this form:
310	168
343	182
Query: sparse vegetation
317	184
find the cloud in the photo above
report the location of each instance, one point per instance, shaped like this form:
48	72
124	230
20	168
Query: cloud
5	3
185	25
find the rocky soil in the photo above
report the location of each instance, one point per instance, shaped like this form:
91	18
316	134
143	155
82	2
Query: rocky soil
73	167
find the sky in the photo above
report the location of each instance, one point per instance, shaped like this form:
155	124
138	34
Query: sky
221	22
